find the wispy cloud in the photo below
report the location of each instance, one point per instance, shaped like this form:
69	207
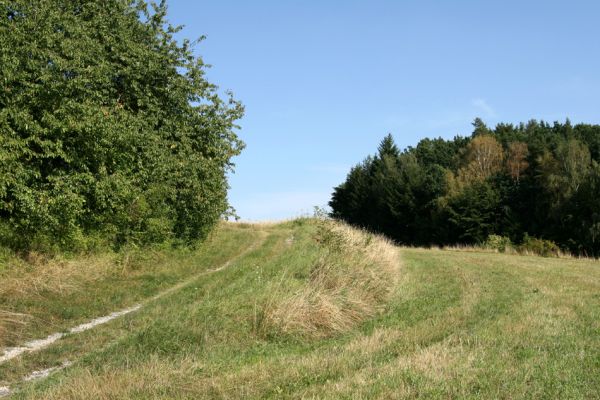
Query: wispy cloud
482	105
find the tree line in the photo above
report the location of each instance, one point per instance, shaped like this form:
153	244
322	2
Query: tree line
108	127
531	180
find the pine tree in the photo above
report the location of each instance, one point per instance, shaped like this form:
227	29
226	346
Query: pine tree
388	147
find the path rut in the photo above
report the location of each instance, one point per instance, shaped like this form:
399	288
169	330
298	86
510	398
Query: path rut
40	344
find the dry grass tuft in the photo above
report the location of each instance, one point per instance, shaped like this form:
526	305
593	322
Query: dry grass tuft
37	278
37	275
153	378
8	322
350	282
52	275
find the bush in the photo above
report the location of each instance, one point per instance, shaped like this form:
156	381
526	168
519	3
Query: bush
499	243
107	125
541	247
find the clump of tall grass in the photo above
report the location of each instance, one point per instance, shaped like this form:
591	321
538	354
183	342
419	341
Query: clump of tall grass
9	322
34	277
39	275
350	281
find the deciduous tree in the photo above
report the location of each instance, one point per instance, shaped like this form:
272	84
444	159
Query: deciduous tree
483	158
107	124
516	161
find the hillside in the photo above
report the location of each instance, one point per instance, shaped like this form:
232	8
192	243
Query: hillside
302	309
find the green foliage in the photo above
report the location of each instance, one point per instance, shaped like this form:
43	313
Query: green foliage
474	213
387	147
329	238
499	243
541	247
107	124
534	177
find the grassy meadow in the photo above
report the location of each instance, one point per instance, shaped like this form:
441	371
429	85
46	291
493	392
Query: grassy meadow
305	309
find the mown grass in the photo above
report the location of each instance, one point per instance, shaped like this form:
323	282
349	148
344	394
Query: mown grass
453	325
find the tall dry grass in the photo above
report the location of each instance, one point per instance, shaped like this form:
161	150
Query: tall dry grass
35	278
9	324
39	275
30	277
350	282
36	274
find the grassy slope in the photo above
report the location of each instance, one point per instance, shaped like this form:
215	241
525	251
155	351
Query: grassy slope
459	325
60	293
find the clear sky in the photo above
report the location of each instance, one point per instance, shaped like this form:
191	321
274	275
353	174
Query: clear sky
324	81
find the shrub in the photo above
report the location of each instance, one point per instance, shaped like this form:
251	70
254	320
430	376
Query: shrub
107	124
498	243
542	247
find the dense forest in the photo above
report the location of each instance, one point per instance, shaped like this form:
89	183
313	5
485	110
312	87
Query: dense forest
532	181
109	131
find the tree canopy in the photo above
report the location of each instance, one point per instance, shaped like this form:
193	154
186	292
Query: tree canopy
108	126
519	181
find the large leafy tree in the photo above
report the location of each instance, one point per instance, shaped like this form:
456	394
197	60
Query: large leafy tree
107	124
516	162
483	158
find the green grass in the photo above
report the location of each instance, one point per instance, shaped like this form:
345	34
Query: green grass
59	293
455	325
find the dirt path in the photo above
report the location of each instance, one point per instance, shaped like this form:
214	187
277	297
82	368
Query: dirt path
40	344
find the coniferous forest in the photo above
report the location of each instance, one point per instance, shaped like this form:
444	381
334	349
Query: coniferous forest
532	183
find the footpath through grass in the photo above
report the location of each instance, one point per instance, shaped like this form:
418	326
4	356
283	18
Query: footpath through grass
453	325
39	296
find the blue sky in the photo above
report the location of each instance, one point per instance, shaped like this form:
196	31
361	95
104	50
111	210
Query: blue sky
324	81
